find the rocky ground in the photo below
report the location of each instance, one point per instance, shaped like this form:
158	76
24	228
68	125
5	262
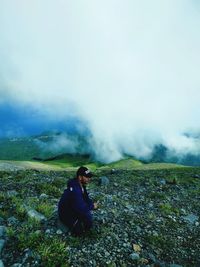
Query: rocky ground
146	218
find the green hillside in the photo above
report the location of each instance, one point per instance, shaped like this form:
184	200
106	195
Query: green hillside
73	162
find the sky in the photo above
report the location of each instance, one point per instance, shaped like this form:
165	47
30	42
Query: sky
127	71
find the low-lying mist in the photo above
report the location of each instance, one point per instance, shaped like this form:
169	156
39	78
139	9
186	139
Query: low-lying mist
128	71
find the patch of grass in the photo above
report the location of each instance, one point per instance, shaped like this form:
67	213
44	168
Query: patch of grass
45	208
10	231
48	189
29	239
53	252
151	216
19	209
3	214
159	241
74	241
167	209
32	201
33	224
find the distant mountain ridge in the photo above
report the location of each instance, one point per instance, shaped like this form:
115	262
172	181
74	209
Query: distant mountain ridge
47	147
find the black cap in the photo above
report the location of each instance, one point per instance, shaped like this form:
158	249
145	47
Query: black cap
83	171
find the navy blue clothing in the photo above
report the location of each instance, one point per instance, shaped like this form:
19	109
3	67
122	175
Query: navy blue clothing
74	208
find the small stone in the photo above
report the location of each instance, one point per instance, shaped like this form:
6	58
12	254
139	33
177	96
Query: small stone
28	253
136	248
2	243
103	180
16	265
59	232
155	233
38	232
36	215
163	182
43	196
12	193
196	223
63	227
152	257
48	231
113	171
138	229
107	254
12	221
183	211
2	231
160	264
175	265
135	256
191	218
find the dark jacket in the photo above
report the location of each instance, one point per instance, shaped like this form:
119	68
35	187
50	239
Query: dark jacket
75	204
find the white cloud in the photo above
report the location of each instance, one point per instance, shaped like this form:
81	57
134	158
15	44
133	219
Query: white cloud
129	69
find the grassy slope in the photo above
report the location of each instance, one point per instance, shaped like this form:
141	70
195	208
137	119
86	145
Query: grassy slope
72	162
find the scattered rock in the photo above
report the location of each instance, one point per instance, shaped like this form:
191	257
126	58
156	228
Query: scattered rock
12	221
62	227
12	193
163	182
28	253
129	227
36	215
113	171
2	231
43	196
48	231
152	257
135	256
196	176
1	263
191	218
2	243
175	265
103	180
59	232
